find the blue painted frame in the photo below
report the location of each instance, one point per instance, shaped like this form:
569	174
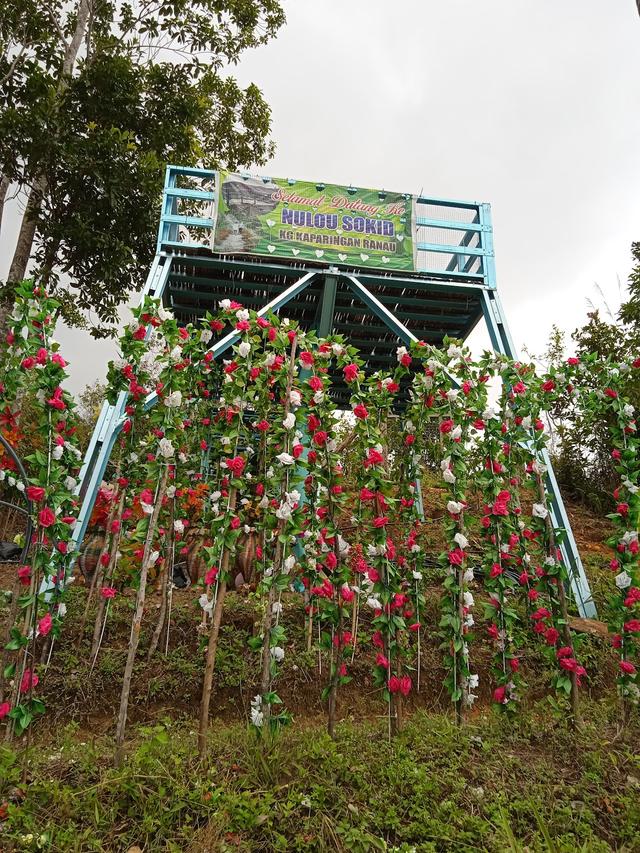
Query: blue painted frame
458	260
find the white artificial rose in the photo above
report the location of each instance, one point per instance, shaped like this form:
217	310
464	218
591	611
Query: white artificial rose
461	540
539	511
166	448
285	459
244	349
623	580
290	421
206	603
173	400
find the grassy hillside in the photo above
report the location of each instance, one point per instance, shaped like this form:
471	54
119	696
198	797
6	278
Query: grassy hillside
528	783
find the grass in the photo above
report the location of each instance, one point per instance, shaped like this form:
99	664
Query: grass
494	785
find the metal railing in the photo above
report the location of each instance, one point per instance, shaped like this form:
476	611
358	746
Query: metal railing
454	239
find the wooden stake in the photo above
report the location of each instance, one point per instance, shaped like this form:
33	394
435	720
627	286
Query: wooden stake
137	621
212	647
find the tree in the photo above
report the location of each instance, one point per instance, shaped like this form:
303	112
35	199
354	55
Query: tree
583	464
96	100
630	310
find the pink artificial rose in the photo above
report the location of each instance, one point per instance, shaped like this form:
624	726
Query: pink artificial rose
350	372
45	624
29	680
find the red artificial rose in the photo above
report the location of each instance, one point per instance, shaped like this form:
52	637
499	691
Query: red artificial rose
350	372
331	560
35	493
44	625
551	636
361	412
627	668
46	517
456	557
320	438
29	680
500	695
236	465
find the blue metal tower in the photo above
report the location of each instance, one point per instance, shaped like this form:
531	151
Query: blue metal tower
451	289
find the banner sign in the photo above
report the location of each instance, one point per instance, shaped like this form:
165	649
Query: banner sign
298	220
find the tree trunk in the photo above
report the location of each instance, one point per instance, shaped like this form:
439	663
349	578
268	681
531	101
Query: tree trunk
137	622
4	187
27	233
26	236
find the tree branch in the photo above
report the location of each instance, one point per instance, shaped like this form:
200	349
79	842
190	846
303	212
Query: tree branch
13	65
57	26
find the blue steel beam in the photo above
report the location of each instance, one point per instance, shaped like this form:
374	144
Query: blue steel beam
423	221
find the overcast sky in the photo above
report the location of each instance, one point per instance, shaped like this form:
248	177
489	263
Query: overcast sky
531	105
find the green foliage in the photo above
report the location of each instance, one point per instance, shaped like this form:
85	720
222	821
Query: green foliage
93	135
583	454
